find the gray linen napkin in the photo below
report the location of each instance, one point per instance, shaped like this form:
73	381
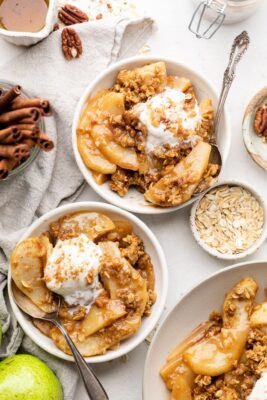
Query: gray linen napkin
54	177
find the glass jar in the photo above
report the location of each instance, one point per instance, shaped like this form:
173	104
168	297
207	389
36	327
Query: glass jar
236	10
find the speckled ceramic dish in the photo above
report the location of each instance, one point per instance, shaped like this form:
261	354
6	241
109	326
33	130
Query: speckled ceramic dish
255	146
230	256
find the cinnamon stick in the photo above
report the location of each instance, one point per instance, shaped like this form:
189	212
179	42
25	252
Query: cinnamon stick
29	134
42	104
12	138
29	142
44	142
11	131
26	121
13	116
17	152
4	170
9	96
29	127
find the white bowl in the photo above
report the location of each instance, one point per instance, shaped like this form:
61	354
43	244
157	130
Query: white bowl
192	309
153	248
30	38
134	201
211	250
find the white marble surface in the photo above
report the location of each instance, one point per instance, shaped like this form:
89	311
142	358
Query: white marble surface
187	263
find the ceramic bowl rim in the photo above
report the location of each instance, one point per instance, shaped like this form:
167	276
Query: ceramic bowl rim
140	335
91	88
182	297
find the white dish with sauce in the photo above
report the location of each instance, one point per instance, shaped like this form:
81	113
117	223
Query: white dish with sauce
134	201
30	38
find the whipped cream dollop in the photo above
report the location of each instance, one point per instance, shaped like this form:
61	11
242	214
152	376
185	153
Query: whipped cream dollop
72	270
163	114
259	391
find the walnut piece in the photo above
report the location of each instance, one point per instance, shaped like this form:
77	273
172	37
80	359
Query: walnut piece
71	15
71	44
260	122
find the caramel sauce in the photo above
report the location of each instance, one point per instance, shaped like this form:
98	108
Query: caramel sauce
23	15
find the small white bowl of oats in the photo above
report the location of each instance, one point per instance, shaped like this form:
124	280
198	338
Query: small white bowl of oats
229	220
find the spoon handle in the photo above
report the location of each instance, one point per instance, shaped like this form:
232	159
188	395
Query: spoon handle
92	385
239	48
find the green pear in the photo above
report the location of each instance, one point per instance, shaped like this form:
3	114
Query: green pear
25	377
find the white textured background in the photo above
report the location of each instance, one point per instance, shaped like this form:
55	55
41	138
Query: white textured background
187	263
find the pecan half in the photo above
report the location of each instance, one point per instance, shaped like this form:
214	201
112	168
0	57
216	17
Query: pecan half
71	44
260	122
71	15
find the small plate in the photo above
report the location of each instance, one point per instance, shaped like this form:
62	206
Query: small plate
192	309
255	146
254	247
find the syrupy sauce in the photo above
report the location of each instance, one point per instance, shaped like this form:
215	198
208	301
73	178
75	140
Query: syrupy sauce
23	15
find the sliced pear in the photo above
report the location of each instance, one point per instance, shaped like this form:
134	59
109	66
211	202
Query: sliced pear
181	389
174	358
101	341
123	157
92	224
99	318
258	318
178	185
217	354
99	178
176	82
112	102
120	279
92	156
90	107
27	269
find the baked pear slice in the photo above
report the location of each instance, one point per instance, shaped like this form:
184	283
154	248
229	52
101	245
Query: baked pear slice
175	357
28	260
177	82
123	283
123	157
103	101
217	354
182	385
92	224
178	185
258	318
98	318
91	155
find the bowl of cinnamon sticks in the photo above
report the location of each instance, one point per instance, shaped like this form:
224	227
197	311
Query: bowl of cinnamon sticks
22	129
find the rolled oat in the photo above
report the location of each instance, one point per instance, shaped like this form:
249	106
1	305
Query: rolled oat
229	219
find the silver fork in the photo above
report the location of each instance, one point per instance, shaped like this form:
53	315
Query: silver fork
196	24
92	385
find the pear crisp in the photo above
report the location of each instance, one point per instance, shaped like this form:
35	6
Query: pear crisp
229	219
149	133
226	357
100	269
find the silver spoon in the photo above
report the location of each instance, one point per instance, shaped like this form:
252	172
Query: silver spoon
239	47
92	385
